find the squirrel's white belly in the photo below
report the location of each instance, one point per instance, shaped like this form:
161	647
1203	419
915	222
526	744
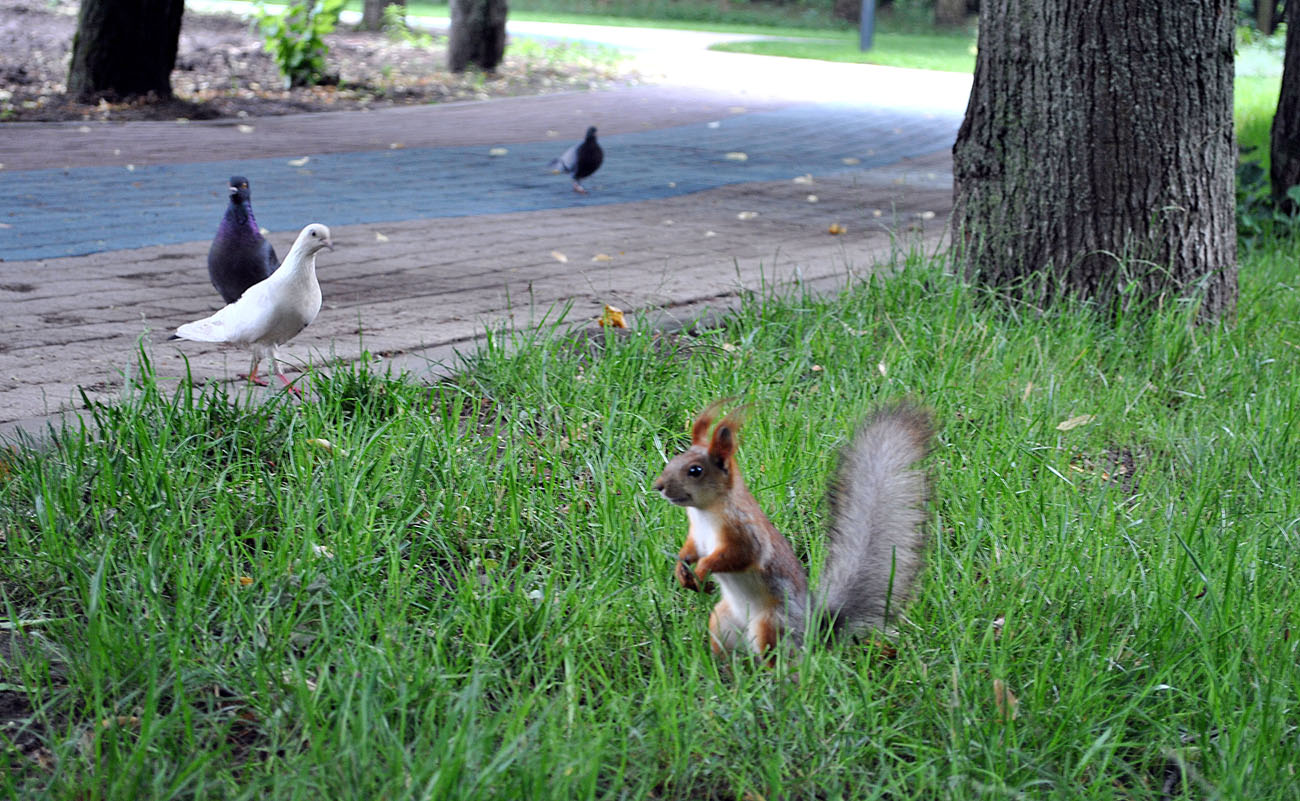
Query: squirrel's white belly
745	592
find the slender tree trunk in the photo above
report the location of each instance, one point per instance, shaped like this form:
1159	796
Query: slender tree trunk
478	34
1284	141
372	13
949	13
124	49
1266	16
1097	156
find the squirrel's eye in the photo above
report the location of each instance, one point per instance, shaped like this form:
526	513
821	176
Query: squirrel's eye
694	471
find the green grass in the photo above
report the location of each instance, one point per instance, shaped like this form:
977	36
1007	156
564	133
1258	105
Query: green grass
948	52
471	595
783	21
1254	104
741	17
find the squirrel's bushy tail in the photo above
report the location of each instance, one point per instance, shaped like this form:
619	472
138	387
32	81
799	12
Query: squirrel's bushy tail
877	531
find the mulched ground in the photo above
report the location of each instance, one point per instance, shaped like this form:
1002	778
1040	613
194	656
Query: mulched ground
221	71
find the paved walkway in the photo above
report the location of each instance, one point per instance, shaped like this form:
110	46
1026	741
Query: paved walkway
107	225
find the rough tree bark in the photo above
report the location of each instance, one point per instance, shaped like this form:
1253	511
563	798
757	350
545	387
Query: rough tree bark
949	13
372	13
124	49
478	34
1097	156
1284	139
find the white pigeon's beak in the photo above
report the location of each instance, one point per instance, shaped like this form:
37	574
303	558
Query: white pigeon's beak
328	243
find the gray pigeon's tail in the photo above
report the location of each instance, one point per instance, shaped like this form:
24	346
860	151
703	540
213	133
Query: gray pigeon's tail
566	161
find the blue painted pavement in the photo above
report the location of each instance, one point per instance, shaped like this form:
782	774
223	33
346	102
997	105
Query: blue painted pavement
70	212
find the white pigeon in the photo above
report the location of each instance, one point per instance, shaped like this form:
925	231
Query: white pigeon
270	312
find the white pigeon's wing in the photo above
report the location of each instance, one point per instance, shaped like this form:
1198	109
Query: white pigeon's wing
242	322
567	162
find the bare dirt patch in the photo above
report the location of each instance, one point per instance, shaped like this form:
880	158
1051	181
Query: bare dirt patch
222	71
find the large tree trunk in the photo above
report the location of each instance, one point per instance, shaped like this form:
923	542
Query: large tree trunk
949	13
372	13
1097	154
124	48
1284	141
478	34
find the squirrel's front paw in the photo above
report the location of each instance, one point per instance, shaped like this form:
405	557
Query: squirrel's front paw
686	576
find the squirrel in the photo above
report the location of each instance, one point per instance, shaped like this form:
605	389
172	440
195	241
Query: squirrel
876	534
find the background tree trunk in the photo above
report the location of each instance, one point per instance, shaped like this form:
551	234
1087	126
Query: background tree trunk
372	13
848	10
1266	16
949	13
124	48
478	34
1284	139
1097	152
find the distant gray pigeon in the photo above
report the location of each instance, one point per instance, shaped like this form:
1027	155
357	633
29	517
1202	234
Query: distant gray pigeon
240	256
582	160
273	311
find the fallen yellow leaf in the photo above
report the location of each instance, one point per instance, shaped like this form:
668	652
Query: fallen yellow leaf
851	160
245	128
1005	700
836	229
380	237
497	151
299	162
560	257
612	317
1075	422
327	446
602	257
746	215
736	155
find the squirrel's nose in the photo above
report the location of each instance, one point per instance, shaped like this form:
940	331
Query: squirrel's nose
658	485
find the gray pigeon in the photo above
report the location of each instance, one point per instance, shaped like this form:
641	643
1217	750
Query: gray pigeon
240	256
273	311
582	160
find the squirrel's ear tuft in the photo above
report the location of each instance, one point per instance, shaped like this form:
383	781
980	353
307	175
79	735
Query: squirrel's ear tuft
723	444
700	431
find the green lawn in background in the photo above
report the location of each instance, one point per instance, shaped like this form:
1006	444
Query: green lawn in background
933	51
1255	102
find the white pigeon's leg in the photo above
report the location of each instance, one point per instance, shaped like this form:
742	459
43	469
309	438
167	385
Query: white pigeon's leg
279	372
252	371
